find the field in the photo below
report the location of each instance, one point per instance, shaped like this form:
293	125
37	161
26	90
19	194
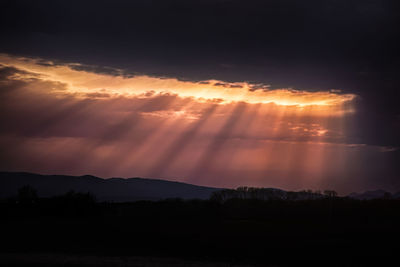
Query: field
334	232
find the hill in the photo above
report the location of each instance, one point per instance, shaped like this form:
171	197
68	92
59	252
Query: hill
375	194
113	189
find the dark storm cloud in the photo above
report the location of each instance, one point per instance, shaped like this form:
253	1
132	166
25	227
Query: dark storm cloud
101	70
221	84
6	72
312	44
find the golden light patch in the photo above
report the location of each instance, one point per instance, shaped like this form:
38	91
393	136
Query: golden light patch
84	84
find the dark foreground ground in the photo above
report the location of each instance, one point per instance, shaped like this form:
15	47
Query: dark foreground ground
75	231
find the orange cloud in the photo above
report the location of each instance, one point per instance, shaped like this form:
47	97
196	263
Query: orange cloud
83	84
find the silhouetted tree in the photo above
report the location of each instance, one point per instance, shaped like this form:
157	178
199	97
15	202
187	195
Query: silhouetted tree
387	195
268	194
330	193
27	194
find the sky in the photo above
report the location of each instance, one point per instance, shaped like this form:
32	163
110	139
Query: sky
287	94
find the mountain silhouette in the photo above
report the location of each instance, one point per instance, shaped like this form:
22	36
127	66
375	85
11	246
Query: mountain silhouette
375	194
129	189
112	189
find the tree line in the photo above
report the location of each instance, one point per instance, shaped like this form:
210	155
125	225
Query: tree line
245	192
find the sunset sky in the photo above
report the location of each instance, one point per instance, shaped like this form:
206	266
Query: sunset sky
287	94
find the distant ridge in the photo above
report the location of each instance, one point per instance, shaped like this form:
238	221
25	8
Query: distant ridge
375	194
130	189
112	189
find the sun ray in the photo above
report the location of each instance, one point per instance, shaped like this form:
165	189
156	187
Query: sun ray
177	146
211	152
153	139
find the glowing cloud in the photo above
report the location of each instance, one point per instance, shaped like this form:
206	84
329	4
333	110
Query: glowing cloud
90	84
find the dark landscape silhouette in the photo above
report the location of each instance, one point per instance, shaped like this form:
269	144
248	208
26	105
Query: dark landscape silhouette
133	189
114	189
243	226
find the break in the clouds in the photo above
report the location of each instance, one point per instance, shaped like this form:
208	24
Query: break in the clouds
84	83
58	118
